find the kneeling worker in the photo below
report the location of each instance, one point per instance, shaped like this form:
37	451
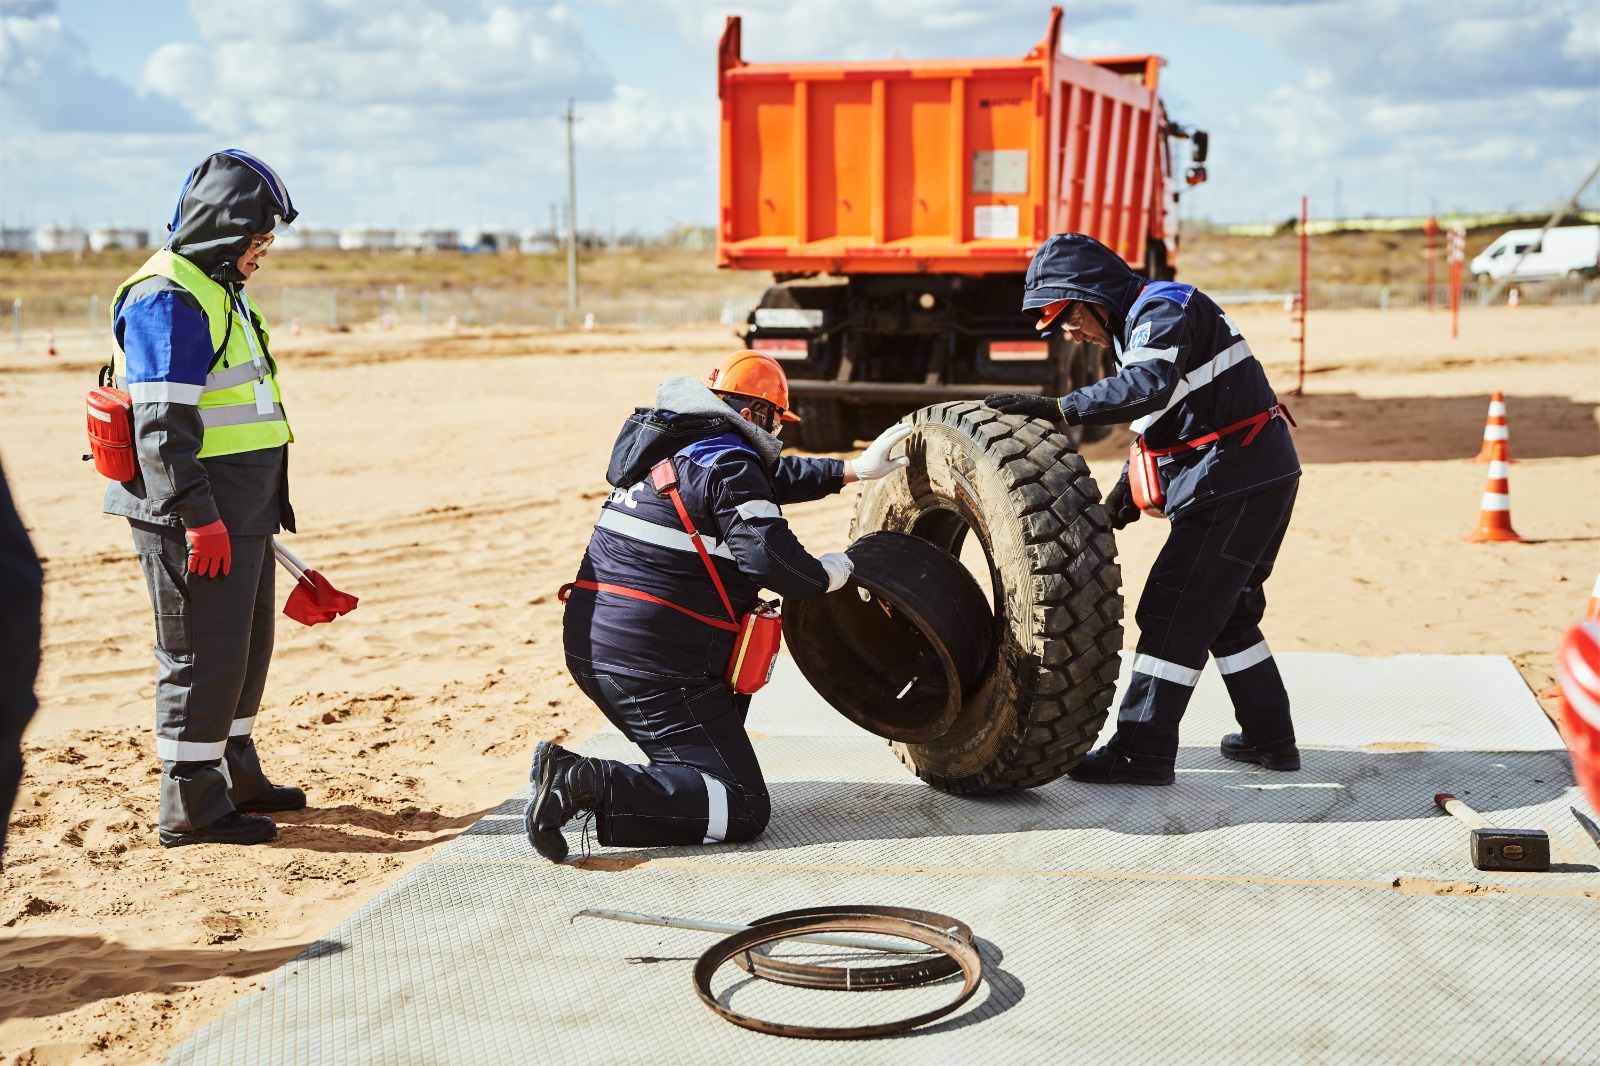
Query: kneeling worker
638	632
1201	402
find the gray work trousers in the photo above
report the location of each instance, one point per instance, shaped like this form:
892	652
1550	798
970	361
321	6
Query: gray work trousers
213	647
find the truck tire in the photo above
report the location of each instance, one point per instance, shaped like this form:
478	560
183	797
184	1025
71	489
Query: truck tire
824	426
1017	485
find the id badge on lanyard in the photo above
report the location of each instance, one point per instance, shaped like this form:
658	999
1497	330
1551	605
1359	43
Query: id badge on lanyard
262	387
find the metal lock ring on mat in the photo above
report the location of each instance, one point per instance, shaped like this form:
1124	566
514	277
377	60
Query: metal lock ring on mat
841	919
758	962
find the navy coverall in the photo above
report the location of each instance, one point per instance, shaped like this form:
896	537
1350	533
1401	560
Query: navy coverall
1185	372
653	671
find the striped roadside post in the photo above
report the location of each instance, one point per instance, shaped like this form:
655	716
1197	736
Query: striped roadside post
1580	703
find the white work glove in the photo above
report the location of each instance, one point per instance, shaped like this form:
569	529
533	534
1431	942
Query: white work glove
839	568
875	462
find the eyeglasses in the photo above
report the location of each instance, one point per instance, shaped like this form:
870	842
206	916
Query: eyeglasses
261	242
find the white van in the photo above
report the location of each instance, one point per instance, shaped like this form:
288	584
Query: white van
1567	251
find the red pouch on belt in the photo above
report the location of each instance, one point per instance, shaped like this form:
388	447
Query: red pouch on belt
110	417
755	652
1144	480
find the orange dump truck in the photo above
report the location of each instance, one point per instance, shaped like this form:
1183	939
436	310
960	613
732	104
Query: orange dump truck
898	203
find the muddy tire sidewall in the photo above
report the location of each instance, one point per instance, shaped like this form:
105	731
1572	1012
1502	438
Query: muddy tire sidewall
1019	488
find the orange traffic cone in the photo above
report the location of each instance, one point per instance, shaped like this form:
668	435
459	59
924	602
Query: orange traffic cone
50	343
1494	516
1513	298
1591	615
1496	435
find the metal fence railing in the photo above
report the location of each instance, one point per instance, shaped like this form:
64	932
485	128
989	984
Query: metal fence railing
1328	297
83	322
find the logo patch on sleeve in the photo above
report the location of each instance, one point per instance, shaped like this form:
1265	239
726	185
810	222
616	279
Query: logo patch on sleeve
1141	336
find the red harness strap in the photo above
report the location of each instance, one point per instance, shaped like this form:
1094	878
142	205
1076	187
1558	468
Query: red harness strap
1256	423
620	590
664	479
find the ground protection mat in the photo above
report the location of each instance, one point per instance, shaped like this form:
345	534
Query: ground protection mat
1240	916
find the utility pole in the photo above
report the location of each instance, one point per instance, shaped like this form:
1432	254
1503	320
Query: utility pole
572	218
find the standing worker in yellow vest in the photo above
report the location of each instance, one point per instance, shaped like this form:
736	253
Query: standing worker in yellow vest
212	487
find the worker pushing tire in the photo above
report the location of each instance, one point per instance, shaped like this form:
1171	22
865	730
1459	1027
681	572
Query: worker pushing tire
205	488
1213	455
665	606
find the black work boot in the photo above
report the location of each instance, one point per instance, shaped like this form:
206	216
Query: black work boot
275	798
563	785
1106	767
232	828
1280	757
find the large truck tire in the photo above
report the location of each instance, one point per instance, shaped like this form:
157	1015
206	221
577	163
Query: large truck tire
824	426
1018	486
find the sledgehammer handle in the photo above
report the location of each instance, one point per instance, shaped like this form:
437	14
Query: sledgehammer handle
1454	806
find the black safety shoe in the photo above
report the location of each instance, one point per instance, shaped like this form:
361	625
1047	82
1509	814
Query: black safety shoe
275	798
1106	767
563	785
1282	757
232	828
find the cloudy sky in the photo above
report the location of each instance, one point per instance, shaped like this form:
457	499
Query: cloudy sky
449	111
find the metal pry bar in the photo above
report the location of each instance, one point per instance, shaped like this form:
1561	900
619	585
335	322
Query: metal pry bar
831	939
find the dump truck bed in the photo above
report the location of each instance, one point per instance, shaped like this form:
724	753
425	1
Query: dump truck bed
936	166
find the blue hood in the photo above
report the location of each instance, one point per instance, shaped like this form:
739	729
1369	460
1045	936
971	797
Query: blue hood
1072	266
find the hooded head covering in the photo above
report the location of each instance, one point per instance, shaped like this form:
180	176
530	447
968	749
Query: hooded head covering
1072	266
229	198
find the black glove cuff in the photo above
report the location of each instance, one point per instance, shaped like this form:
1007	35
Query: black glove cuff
1069	412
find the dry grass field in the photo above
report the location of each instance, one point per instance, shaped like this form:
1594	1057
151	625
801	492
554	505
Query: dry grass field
450	481
1208	258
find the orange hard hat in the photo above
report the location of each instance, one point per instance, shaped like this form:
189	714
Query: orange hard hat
753	373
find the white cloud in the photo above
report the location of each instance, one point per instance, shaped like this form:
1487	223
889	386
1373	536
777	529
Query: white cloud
47	83
449	112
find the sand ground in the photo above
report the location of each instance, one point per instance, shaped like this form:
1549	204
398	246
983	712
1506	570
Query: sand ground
450	481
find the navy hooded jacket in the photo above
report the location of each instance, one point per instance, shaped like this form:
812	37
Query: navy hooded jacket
1185	371
231	196
733	483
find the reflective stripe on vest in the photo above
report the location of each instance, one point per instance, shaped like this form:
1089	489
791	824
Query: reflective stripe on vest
227	402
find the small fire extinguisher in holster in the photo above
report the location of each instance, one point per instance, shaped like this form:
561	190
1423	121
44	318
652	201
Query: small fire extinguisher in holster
760	632
110	423
1144	480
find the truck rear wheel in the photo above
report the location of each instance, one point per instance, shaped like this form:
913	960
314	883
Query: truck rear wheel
824	426
1019	489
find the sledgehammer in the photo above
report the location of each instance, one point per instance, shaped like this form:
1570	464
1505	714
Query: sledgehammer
1499	849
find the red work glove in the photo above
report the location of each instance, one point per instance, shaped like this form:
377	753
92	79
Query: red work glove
210	550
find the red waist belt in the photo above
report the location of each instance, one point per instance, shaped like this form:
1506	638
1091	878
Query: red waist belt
1255	423
622	590
1144	479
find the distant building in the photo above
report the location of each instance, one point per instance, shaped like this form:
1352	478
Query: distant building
427	239
59	239
320	239
538	242
488	239
369	238
16	239
103	237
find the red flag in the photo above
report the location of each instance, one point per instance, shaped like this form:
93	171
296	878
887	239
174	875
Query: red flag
313	598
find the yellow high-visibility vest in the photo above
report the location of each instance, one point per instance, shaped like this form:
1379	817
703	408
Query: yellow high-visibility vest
234	421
